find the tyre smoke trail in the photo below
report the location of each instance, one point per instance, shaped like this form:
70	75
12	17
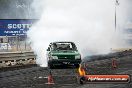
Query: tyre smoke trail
88	23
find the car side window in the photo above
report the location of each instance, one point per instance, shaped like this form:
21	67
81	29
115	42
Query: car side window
49	48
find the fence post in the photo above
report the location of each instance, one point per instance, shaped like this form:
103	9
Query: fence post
17	42
25	43
114	63
7	42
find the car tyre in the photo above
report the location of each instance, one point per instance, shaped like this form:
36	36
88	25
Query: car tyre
51	66
76	65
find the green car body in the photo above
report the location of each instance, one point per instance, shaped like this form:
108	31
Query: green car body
63	53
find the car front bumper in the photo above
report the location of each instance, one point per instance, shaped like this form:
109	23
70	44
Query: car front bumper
64	61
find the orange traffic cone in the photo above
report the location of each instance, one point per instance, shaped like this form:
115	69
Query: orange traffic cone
50	79
114	63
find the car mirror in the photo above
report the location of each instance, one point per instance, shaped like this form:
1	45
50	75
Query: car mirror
48	49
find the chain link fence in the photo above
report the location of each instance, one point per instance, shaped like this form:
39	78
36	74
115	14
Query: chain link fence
14	44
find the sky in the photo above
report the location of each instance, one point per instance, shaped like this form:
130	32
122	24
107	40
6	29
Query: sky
17	9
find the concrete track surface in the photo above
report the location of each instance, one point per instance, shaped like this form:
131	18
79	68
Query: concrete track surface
36	77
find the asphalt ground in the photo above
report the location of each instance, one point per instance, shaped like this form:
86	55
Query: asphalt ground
36	77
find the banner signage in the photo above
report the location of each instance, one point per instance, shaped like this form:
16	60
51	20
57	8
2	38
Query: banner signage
15	27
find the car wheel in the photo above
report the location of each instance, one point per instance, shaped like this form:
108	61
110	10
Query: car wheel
76	65
51	66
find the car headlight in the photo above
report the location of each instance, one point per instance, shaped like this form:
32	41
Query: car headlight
54	57
77	56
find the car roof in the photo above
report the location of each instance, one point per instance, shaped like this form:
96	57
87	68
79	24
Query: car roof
62	42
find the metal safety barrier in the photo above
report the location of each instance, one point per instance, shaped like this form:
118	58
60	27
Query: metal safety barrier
8	59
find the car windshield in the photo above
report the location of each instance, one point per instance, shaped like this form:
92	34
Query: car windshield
64	46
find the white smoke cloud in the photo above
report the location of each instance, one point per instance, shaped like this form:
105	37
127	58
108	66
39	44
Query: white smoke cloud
88	23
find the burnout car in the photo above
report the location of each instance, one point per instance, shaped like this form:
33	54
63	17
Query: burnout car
63	53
